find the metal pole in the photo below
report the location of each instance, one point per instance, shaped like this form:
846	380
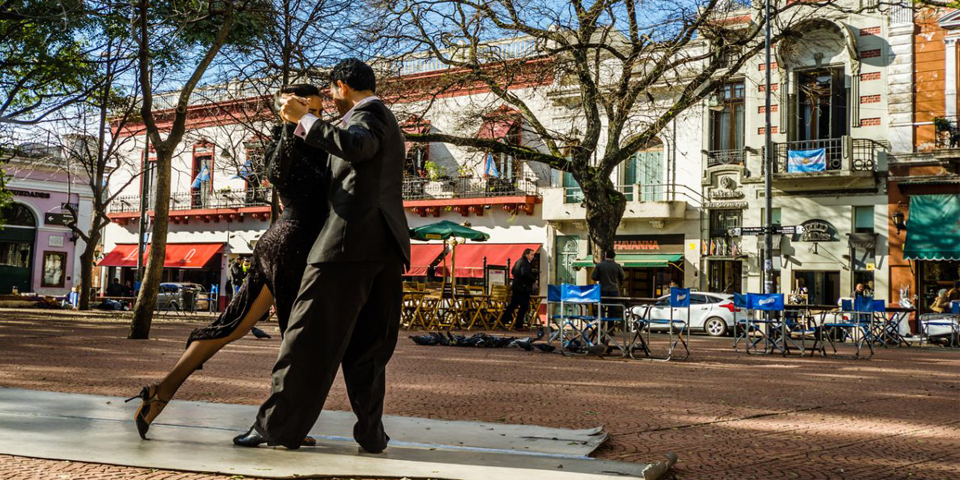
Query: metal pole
768	166
144	198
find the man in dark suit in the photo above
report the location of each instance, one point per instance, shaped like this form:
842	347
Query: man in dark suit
348	310
523	280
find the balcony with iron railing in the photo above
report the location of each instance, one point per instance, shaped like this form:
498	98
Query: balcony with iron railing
468	194
829	163
223	204
644	201
716	158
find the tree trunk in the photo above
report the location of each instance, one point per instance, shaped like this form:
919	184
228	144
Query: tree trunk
86	270
150	286
605	206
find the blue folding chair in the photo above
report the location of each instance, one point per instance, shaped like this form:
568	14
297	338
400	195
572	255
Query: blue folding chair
767	330
577	322
678	330
855	323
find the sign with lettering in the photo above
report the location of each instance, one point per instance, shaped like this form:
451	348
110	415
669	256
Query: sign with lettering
57	218
648	243
727	189
30	193
818	231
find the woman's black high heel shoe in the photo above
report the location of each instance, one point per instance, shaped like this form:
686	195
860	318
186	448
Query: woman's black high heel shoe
149	399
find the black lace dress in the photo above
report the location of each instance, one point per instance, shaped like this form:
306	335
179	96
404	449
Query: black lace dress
280	256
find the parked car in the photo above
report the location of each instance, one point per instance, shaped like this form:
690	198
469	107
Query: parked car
171	296
711	313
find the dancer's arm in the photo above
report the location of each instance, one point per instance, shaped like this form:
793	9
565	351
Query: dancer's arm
358	142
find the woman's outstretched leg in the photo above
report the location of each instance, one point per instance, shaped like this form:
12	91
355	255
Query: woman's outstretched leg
200	351
155	397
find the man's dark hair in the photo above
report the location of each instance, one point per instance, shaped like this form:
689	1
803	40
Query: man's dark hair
301	90
610	254
356	74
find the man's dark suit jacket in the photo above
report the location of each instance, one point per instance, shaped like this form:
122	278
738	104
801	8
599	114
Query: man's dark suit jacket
365	193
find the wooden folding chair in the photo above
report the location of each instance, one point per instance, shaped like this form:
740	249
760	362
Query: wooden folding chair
499	299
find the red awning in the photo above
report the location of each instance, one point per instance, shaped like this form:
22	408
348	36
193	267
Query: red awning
178	255
497	124
422	256
469	256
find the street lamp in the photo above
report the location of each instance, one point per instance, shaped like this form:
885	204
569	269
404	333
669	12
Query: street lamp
899	221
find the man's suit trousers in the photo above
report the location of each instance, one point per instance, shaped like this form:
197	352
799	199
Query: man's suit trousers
346	314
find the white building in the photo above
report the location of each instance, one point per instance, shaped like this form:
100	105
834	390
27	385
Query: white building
685	192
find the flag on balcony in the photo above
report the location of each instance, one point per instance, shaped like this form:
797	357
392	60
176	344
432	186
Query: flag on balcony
244	173
202	177
807	160
490	169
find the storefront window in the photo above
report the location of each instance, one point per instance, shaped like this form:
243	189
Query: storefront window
54	266
937	278
15	254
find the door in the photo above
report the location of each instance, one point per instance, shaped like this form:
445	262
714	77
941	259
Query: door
567	248
644	170
17	240
202	181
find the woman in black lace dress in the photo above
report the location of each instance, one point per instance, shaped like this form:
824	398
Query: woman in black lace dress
297	172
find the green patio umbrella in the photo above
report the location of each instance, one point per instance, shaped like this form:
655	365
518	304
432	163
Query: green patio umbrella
445	230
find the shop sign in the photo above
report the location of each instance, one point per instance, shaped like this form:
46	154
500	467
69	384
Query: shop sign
818	231
727	190
648	244
726	205
30	193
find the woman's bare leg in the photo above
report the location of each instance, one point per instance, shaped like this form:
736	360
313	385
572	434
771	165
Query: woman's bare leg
200	351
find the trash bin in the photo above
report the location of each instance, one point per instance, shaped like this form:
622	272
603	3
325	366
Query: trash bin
188	300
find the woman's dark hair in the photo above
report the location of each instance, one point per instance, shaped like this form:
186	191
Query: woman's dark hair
301	90
356	74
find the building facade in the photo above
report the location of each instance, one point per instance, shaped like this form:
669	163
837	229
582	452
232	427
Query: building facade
924	180
38	251
846	123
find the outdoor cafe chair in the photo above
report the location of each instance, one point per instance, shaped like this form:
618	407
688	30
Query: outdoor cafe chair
854	322
575	323
678	329
761	332
946	321
799	323
494	306
611	323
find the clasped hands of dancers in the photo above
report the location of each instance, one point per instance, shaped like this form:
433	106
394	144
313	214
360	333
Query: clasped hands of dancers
333	273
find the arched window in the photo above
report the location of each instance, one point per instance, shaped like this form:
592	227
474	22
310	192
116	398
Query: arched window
18	214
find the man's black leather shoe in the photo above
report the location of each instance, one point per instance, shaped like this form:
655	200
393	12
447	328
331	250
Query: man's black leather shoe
371	443
250	439
253	439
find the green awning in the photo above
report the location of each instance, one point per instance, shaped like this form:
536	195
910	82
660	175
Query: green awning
638	260
933	228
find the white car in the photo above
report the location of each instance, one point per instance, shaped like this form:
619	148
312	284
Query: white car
711	313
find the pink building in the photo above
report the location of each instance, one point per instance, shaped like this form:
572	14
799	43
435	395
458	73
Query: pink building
38	252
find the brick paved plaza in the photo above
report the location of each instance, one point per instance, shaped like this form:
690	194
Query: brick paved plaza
727	415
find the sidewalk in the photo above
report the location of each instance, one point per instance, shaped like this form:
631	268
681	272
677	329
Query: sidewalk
725	414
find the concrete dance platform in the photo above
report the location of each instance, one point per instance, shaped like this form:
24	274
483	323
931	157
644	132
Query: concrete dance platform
196	437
